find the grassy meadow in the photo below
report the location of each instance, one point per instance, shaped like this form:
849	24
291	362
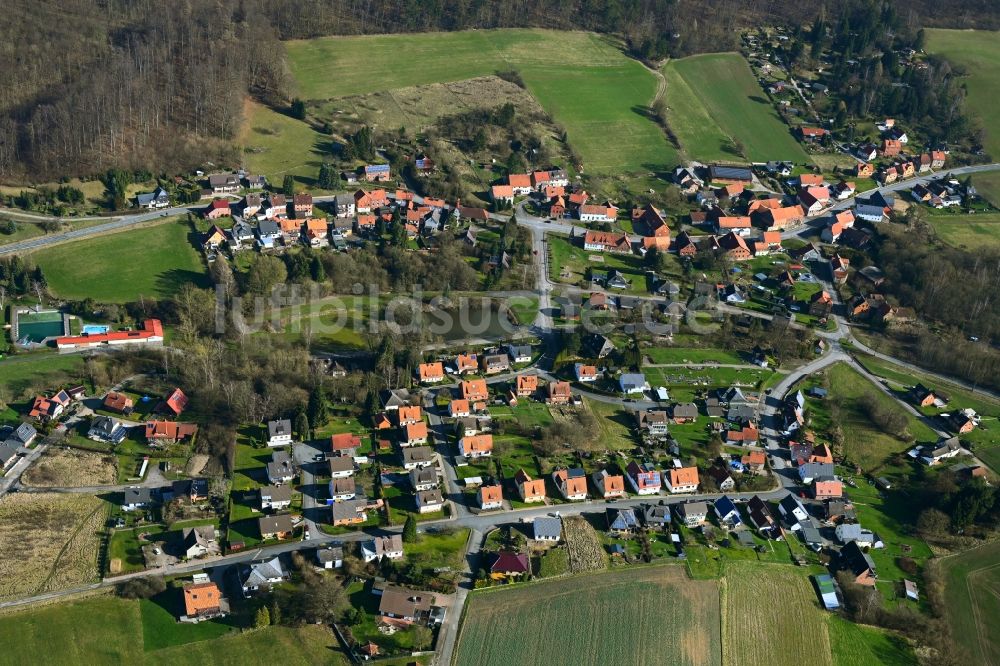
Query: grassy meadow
25	374
978	52
972	597
581	79
714	99
969	232
153	262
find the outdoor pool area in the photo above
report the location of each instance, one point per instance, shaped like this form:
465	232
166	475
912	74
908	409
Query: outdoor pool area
31	327
94	329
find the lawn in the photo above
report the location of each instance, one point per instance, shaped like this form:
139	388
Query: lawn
106	630
153	262
670	355
864	443
778	607
714	99
858	645
542	623
978	52
581	79
972	599
970	232
25	374
615	424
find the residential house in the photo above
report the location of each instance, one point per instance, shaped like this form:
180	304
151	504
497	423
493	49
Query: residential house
476	446
682	480
107	429
684	412
609	485
224	183
740	225
474	390
279	432
175	403
792	509
274	498
859	564
275	527
405	606
217	209
351	512
656	516
118	402
606	241
375	173
519	353
465	363
509	565
601	213
345	444
547	529
526	385
631	383
865	169
423	478
490	497
839	510
459	409
852	532
812	471
786	217
158	198
330	557
260	576
745	436
495	363
44	409
202	601
430	373
723	479
342	489
734	247
417	456
281	469
163	433
136	498
429	501
268	233
585	373
21	436
408	415
529	489
945	448
571	483
413	434
727	512
559	393
753	461
761	518
653	422
199	542
693	513
809	533
621	521
644	478
827	489
191	491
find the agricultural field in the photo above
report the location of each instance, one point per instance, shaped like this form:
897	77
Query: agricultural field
106	630
56	533
978	52
972	597
778	607
581	79
542	623
988	186
715	103
968	232
59	467
23	375
153	262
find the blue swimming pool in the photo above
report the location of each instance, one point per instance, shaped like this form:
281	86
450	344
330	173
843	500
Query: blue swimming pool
94	329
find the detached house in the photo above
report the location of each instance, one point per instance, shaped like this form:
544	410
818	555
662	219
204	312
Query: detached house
526	385
606	241
476	446
345	444
609	485
529	489
644	479
559	393
598	213
682	480
279	433
224	183
490	497
474	390
859	564
571	483
652	421
430	373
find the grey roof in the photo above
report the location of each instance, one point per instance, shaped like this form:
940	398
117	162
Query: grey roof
274	524
418	454
340	463
348	509
432	496
694	508
423	475
656	514
268	228
815	470
330	554
260	573
685	410
203	535
730	172
622	519
24	433
810	533
279	427
547	528
7	452
790	503
276	493
138	496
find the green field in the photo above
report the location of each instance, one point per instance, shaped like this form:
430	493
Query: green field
988	186
30	373
277	145
857	645
970	232
153	262
777	606
979	53
864	443
581	79
106	630
972	597
714	99
652	615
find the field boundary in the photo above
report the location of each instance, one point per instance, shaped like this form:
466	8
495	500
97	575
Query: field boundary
107	232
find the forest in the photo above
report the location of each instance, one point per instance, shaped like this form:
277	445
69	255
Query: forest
93	84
